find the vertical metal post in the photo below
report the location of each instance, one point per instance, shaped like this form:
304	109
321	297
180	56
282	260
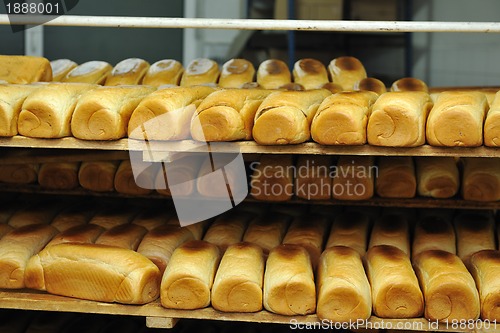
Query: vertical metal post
408	16
291	35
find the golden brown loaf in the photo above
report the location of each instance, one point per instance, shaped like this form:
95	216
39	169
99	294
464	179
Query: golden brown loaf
200	71
310	73
94	72
332	87
341	118
491	123
188	279
104	113
59	175
393	230
346	71
398	119
449	289
182	173
475	232
48	110
152	217
73	215
25	173
127	236
82	234
396	177
272	178
227	115
354	178
24	69
313	180
343	289
371	84
98	176
60	68
289	287
457	119
409	84
394	285
238	283
481	179
273	73
235	73
166	114
94	272
12	97
41	212
227	229
350	229
485	268
111	216
125	181
433	233
267	231
285	117
166	71
16	248
437	177
127	72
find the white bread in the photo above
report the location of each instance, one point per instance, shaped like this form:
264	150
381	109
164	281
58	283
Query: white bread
396	177
235	73
25	69
166	71
449	290
182	173
342	118
104	113
25	173
313	180
272	178
127	72
481	179
127	236
61	67
433	233
94	72
310	73
485	268
227	229
73	215
94	272
343	289
346	71
332	87
200	71
238	283
188	279
475	232
273	73
394	285
166	114
289	287
59	175
98	176
350	229
41	212
491	127
82	234
16	248
437	176
393	230
398	119
354	178
267	231
285	117
409	84
153	217
48	110
457	119
12	97
112	216
227	115
125	180
371	84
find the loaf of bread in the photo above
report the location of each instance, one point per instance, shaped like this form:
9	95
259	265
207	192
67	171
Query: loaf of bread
437	176
342	118
343	289
47	112
235	73
273	73
354	178
104	113
396	177
37	212
94	72
310	73
196	229
238	283
267	231
228	229
313	180
12	97
159	243
394	285
25	173
82	234
332	87
350	229
491	127
178	177
485	268
393	230
73	215
398	119
166	114
433	233
127	183
409	84
346	71
289	287
272	178
59	175
481	179
166	71
285	117
127	72
227	115
98	176
457	119
127	236
16	248
94	272
200	71
113	215
449	290
24	69
371	84
61	67
153	217
475	232
188	279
